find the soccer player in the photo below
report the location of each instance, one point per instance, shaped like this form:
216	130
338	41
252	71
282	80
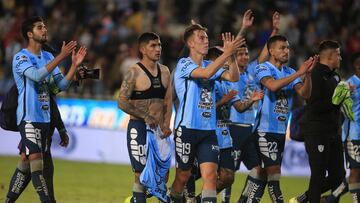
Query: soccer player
145	95
279	82
242	122
351	134
195	121
32	69
225	98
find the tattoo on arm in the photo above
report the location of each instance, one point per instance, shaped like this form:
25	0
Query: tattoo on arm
126	89
243	106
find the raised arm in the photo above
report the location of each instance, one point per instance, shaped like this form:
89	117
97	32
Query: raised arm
264	54
304	89
230	47
232	74
38	74
274	85
247	22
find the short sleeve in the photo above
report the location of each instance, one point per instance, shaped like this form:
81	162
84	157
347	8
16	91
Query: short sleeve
218	74
185	66
297	80
21	63
262	71
251	68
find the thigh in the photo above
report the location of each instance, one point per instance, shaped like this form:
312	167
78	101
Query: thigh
136	143
250	156
270	147
240	136
318	150
352	153
33	137
207	149
226	159
336	169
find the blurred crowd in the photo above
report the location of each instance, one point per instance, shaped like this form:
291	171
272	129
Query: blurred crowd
110	29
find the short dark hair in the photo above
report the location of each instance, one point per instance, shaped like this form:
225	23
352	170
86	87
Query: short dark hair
213	53
274	39
145	38
189	31
28	25
328	44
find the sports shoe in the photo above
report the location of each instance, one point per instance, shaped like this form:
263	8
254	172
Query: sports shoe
293	200
128	199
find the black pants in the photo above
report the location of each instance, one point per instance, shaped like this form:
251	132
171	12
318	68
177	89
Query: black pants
325	155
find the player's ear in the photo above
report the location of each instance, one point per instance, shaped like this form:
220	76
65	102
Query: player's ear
30	34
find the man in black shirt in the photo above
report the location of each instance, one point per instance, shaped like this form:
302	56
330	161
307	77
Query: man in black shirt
321	125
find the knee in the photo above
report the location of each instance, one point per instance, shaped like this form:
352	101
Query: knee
209	176
226	178
182	176
272	170
36	165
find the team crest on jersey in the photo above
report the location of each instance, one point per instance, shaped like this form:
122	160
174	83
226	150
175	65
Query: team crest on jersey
321	148
206	101
185	158
273	156
281	104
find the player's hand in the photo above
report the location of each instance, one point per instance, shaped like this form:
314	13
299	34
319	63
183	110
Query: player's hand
257	95
231	44
276	21
352	88
67	49
313	64
150	121
78	57
227	97
305	67
64	139
165	130
248	19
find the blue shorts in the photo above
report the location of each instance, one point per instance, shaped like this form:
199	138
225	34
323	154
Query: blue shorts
270	148
191	143
33	137
352	153
244	146
226	159
136	143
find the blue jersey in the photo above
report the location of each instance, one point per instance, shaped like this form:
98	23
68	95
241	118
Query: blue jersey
196	96
245	87
32	79
222	130
351	129
274	108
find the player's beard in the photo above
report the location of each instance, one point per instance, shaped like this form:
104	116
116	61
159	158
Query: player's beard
41	40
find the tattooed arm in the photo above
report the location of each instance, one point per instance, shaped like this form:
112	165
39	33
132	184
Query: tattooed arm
243	106
124	103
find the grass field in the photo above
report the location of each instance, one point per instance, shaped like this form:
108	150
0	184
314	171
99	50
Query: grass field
106	183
